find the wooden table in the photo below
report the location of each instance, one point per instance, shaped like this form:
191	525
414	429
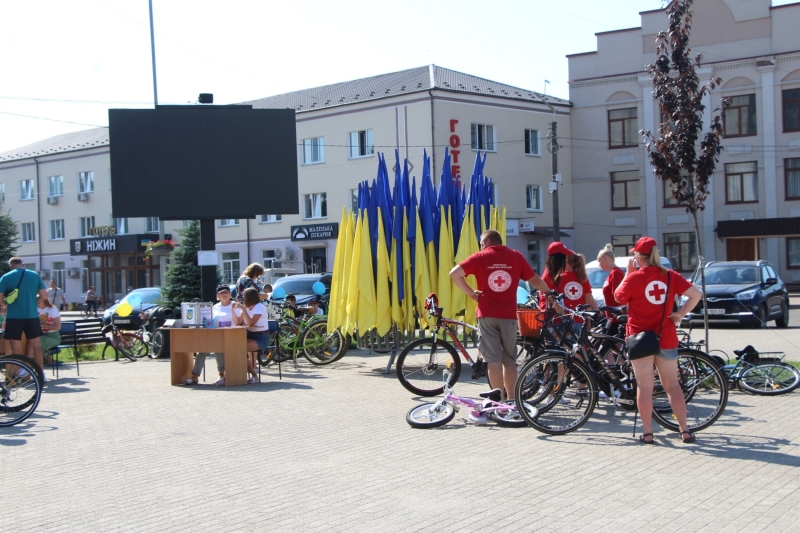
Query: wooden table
232	342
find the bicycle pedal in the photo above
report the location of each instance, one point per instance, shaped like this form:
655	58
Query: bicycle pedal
480	419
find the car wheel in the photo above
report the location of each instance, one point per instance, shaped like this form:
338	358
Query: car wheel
760	318
783	320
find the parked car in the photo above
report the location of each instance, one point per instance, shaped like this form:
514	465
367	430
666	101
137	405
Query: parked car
301	285
748	291
597	276
144	298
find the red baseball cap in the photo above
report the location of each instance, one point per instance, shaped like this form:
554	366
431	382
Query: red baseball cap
644	245
558	247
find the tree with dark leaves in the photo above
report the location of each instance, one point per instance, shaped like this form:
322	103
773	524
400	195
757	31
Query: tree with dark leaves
8	239
183	276
674	152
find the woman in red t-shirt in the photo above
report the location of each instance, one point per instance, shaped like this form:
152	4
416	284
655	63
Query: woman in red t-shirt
647	289
574	284
606	260
554	267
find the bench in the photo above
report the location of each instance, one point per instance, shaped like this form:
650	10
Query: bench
75	332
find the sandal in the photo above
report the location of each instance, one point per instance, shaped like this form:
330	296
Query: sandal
190	381
687	440
643	438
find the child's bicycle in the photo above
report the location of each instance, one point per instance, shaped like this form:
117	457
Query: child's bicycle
435	414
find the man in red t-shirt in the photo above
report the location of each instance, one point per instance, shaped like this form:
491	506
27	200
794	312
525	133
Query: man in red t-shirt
497	270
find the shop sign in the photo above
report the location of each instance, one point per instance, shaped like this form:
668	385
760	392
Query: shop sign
313	232
102	231
109	244
455	143
512	228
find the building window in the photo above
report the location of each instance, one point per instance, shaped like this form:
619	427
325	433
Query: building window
268	258
740	116
87	224
151	224
314	150
669	201
56	186
533	197
85	182
791	110
269	219
315	205
28	232
26	190
2	193
230	267
225	222
534	255
120	225
625	190
792	169
741	183
59	273
532	142
623	131
57	230
681	250
482	137
793	252
623	243
361	143
354	200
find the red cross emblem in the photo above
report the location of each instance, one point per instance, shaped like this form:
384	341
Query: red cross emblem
573	290
499	280
656	292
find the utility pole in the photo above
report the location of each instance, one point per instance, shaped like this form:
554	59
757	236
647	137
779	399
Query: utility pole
553	147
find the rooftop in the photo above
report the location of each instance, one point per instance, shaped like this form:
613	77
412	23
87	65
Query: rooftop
66	142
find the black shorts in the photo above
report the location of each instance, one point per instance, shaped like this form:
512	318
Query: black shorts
15	327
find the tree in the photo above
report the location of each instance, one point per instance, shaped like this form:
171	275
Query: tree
183	276
8	237
674	153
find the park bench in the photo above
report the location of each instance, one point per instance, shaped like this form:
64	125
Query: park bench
75	332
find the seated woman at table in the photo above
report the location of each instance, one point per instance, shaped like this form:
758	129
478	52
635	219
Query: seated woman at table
223	312
253	314
50	320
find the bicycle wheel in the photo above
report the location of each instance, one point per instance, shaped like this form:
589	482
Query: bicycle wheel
421	366
159	344
319	346
28	361
137	346
85	311
571	399
124	344
430	415
705	386
111	351
20	389
513	419
770	379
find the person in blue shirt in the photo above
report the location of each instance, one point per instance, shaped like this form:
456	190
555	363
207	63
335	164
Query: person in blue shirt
22	315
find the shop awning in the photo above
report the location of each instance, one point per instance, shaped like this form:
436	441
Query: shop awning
759	227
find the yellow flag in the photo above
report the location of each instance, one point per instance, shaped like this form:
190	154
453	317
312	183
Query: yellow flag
395	276
446	263
408	291
383	305
366	282
334	306
501	224
468	245
350	322
422	280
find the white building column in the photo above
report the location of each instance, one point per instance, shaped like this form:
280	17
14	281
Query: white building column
767	68
708	217
651	182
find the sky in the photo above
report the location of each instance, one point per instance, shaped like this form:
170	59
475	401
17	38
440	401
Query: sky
65	63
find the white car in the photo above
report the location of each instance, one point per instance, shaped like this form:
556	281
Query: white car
597	276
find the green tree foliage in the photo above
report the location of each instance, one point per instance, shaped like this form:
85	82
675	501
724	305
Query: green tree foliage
8	238
674	152
183	276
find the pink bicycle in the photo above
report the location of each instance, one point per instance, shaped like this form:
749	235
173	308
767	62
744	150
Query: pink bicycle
435	414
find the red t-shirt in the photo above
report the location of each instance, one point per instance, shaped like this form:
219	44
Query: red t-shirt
498	270
574	291
645	292
551	284
612	282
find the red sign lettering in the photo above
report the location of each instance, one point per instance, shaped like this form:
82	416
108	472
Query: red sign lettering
453	123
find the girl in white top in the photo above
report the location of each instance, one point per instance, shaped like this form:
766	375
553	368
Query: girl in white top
252	314
50	320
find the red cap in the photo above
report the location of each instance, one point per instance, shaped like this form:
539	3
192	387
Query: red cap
644	245
558	247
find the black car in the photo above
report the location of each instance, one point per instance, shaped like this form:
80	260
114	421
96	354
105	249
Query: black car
748	291
301	285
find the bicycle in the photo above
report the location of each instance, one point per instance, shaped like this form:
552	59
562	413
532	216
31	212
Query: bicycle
85	313
435	414
21	382
129	344
762	373
564	386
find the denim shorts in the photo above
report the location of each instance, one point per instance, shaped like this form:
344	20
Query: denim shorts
668	355
261	338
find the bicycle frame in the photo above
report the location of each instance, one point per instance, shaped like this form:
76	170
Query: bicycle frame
478	408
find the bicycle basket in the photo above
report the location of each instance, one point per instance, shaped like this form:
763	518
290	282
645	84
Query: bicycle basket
530	322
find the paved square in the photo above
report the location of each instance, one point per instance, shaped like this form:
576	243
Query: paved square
328	449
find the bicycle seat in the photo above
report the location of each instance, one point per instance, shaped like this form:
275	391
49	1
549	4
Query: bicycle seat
746	351
613	310
495	395
622	319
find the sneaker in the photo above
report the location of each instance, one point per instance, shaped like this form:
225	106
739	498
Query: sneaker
220	382
602	395
250	381
550	399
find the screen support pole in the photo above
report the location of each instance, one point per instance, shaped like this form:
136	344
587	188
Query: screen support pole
208	274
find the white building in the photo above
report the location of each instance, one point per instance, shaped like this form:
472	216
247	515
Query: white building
754	208
59	189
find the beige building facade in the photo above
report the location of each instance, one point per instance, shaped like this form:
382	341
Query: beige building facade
754	206
340	130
